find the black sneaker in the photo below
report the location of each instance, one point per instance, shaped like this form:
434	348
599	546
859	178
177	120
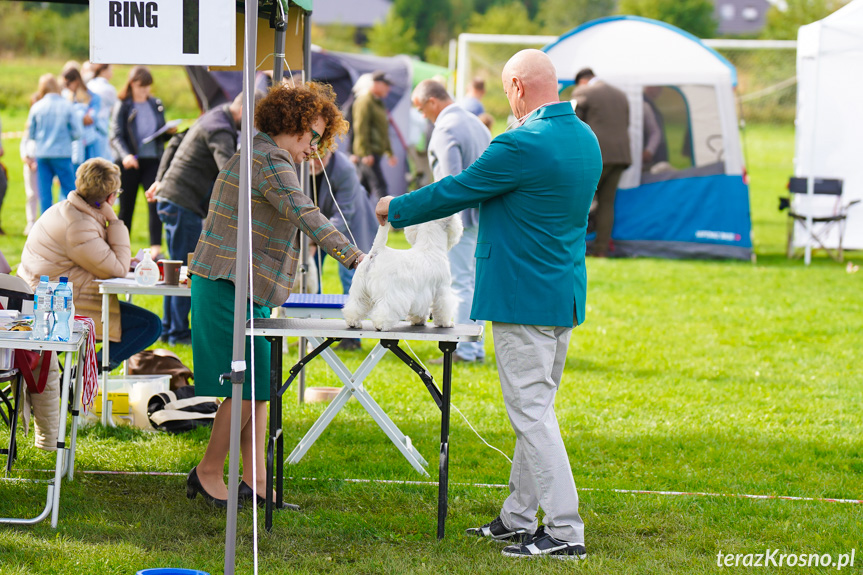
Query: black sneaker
544	544
497	531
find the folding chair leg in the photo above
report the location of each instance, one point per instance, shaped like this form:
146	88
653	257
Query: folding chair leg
841	235
12	452
6	409
791	251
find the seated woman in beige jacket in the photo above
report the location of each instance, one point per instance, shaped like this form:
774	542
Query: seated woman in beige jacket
82	238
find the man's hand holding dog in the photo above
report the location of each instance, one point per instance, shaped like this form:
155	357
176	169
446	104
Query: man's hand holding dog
382	210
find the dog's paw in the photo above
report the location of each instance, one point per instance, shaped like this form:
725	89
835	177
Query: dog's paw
354	323
416	320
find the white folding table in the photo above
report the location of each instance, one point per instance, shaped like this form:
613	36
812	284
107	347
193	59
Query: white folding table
65	463
322	333
129	287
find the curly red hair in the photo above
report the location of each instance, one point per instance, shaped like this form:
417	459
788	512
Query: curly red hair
292	110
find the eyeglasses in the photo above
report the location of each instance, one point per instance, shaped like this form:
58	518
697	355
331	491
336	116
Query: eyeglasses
316	139
118	192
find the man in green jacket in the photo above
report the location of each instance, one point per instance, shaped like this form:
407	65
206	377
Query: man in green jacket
534	186
372	135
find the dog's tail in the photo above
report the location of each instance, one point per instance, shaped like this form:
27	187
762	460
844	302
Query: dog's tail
380	239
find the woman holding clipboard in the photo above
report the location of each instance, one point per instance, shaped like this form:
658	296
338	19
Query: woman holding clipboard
138	136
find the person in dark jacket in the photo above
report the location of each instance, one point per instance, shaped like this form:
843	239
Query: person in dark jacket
188	170
133	124
372	135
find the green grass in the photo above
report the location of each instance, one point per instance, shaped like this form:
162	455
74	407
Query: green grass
715	377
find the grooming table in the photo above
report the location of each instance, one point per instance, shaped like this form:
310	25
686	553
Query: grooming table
322	333
315	305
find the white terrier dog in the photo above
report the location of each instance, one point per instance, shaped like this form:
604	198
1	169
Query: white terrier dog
391	285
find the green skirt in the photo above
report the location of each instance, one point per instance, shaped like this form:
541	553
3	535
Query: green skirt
213	341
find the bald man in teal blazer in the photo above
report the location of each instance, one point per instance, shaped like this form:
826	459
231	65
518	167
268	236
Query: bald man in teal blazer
533	186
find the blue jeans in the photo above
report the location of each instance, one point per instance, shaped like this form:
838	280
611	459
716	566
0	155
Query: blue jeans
182	228
141	328
46	169
462	265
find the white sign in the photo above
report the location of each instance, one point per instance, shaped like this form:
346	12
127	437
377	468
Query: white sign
177	32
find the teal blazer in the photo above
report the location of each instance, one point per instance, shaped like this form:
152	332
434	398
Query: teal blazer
533	186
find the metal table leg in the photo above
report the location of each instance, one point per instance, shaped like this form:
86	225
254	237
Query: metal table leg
443	471
275	441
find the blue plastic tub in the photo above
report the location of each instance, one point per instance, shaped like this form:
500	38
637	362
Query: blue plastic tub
171	571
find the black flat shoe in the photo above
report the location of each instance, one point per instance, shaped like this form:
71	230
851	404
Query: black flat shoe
245	493
193	487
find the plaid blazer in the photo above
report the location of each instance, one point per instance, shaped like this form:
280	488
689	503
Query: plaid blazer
279	211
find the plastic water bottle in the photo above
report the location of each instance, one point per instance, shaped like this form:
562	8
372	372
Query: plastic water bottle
147	272
42	310
62	311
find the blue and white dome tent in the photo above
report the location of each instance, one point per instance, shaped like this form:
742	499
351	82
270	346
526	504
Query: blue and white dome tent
695	202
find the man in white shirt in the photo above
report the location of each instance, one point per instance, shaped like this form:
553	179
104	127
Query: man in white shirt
458	139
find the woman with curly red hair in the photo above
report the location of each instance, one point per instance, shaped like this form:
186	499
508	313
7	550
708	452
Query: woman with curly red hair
294	122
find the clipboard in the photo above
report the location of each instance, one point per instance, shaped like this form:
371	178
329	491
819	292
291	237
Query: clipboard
162	130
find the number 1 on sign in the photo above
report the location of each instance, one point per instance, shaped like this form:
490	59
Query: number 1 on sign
191	26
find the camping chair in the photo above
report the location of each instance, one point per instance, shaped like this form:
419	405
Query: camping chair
15	291
822	224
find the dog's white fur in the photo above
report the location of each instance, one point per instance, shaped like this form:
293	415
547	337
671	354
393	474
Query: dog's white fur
391	285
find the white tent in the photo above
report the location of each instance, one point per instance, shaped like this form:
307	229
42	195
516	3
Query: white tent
699	206
830	114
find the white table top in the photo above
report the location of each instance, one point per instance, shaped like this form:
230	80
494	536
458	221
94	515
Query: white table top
338	329
129	286
34	345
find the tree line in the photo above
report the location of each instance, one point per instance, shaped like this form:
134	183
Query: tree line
418	28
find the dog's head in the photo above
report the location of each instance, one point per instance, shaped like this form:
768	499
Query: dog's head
451	226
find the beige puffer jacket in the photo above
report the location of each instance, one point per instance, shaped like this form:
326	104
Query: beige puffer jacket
71	239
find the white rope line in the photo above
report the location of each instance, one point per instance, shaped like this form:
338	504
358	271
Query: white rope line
481	438
318	249
251	364
778	87
333	195
486	486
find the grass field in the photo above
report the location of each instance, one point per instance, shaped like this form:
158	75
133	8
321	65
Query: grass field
720	378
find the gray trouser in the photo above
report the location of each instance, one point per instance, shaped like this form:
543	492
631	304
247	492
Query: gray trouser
530	361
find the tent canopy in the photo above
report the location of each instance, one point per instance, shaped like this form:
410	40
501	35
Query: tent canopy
695	203
635	49
829	114
341	71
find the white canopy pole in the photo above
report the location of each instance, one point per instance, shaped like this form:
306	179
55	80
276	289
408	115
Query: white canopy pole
810	177
241	286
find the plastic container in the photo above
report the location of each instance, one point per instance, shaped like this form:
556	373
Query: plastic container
170	571
42	305
321	394
123	391
147	272
62	311
7	358
145	387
